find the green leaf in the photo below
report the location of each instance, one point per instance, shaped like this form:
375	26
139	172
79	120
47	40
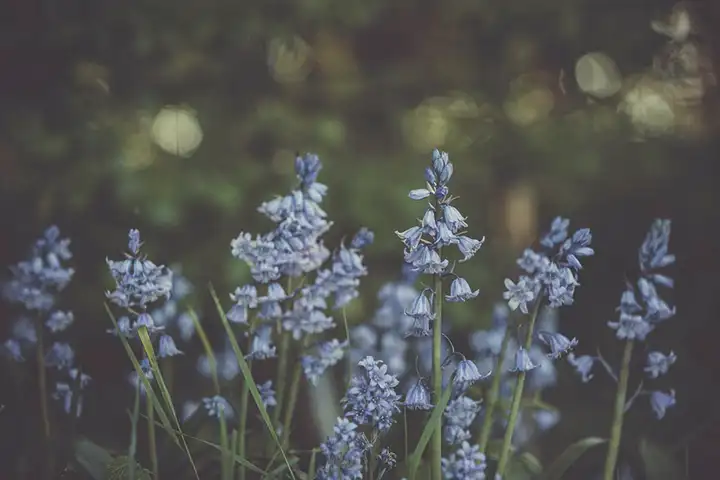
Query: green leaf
250	382
566	459
659	462
416	457
531	463
92	458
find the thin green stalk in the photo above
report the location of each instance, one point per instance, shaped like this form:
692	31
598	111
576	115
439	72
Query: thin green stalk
493	394
348	361
405	436
244	399
42	384
620	397
517	394
152	441
132	449
437	438
292	400
226	455
283	354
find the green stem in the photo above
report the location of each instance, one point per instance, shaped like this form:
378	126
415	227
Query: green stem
493	394
517	394
282	366
244	400
42	384
616	430
437	438
292	399
152	439
132	449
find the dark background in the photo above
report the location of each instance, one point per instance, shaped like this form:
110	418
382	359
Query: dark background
371	86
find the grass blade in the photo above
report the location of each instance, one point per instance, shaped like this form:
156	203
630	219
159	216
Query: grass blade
247	375
416	457
208	349
150	352
569	456
150	393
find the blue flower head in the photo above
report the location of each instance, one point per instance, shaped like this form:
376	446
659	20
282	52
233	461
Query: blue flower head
37	280
418	397
138	281
467	463
371	398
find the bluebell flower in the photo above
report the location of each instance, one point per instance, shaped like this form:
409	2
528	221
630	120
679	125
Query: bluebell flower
371	398
362	239
583	365
327	355
466	374
11	348
631	327
139	281
418	397
267	394
460	291
218	406
124	328
387	459
59	321
344	453
167	347
559	344
576	247
261	347
557	234
523	363
661	401
61	356
38	279
459	415
467	463
24	330
653	253
551	275
658	363
520	293
65	391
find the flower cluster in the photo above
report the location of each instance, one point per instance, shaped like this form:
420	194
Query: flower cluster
370	400
553	273
36	283
328	354
641	310
467	463
459	415
442	225
138	281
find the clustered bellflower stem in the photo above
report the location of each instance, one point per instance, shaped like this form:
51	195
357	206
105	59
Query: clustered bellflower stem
616	429
437	365
42	384
517	393
152	442
493	393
